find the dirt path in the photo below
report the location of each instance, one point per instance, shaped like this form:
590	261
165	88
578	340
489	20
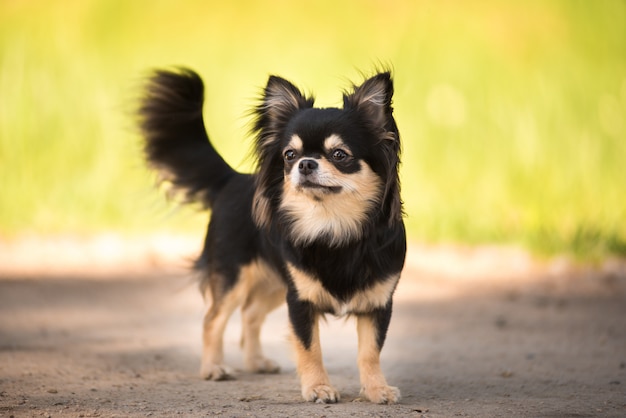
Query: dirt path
483	333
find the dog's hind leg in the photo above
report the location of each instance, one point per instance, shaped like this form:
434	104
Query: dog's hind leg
215	320
263	298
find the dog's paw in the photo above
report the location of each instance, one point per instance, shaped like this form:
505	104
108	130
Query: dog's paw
320	394
381	394
262	365
216	372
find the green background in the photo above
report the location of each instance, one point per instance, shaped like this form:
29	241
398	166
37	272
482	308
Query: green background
512	114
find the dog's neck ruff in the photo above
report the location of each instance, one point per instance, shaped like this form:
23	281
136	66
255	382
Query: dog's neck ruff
317	223
334	220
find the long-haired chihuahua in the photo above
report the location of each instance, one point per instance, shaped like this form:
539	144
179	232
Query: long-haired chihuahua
318	224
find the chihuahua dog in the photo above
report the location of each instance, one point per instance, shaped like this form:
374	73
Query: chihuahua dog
318	224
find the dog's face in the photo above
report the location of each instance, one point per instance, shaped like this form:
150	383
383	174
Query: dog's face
327	174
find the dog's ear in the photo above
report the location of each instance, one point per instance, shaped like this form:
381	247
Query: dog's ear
279	102
283	98
373	100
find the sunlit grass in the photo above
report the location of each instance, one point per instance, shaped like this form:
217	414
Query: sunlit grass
512	115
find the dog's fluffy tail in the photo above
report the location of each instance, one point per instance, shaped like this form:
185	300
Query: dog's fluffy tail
175	139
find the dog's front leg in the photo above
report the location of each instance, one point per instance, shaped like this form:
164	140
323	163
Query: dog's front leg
306	340
372	329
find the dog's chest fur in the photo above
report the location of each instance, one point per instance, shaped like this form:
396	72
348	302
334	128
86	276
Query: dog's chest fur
353	279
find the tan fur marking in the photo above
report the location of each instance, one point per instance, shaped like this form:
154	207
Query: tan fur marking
215	322
373	383
266	295
295	143
256	275
311	289
314	380
332	142
316	212
375	296
261	211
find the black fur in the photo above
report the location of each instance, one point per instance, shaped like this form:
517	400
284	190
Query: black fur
248	222
176	142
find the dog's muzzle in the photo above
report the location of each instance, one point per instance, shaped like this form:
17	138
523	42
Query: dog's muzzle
307	177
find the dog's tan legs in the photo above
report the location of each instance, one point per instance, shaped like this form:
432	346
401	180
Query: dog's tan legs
313	377
373	384
261	301
215	322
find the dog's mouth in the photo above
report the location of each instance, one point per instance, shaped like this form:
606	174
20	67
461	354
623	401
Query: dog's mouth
316	186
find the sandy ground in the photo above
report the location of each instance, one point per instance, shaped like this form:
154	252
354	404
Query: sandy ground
111	327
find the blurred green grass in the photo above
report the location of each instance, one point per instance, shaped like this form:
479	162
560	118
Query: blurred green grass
512	114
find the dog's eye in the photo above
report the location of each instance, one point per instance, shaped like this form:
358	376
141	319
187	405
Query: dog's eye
290	155
339	155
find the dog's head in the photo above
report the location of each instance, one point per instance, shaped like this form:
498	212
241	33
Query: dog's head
327	174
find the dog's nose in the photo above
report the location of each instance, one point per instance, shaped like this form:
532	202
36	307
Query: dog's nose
307	166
